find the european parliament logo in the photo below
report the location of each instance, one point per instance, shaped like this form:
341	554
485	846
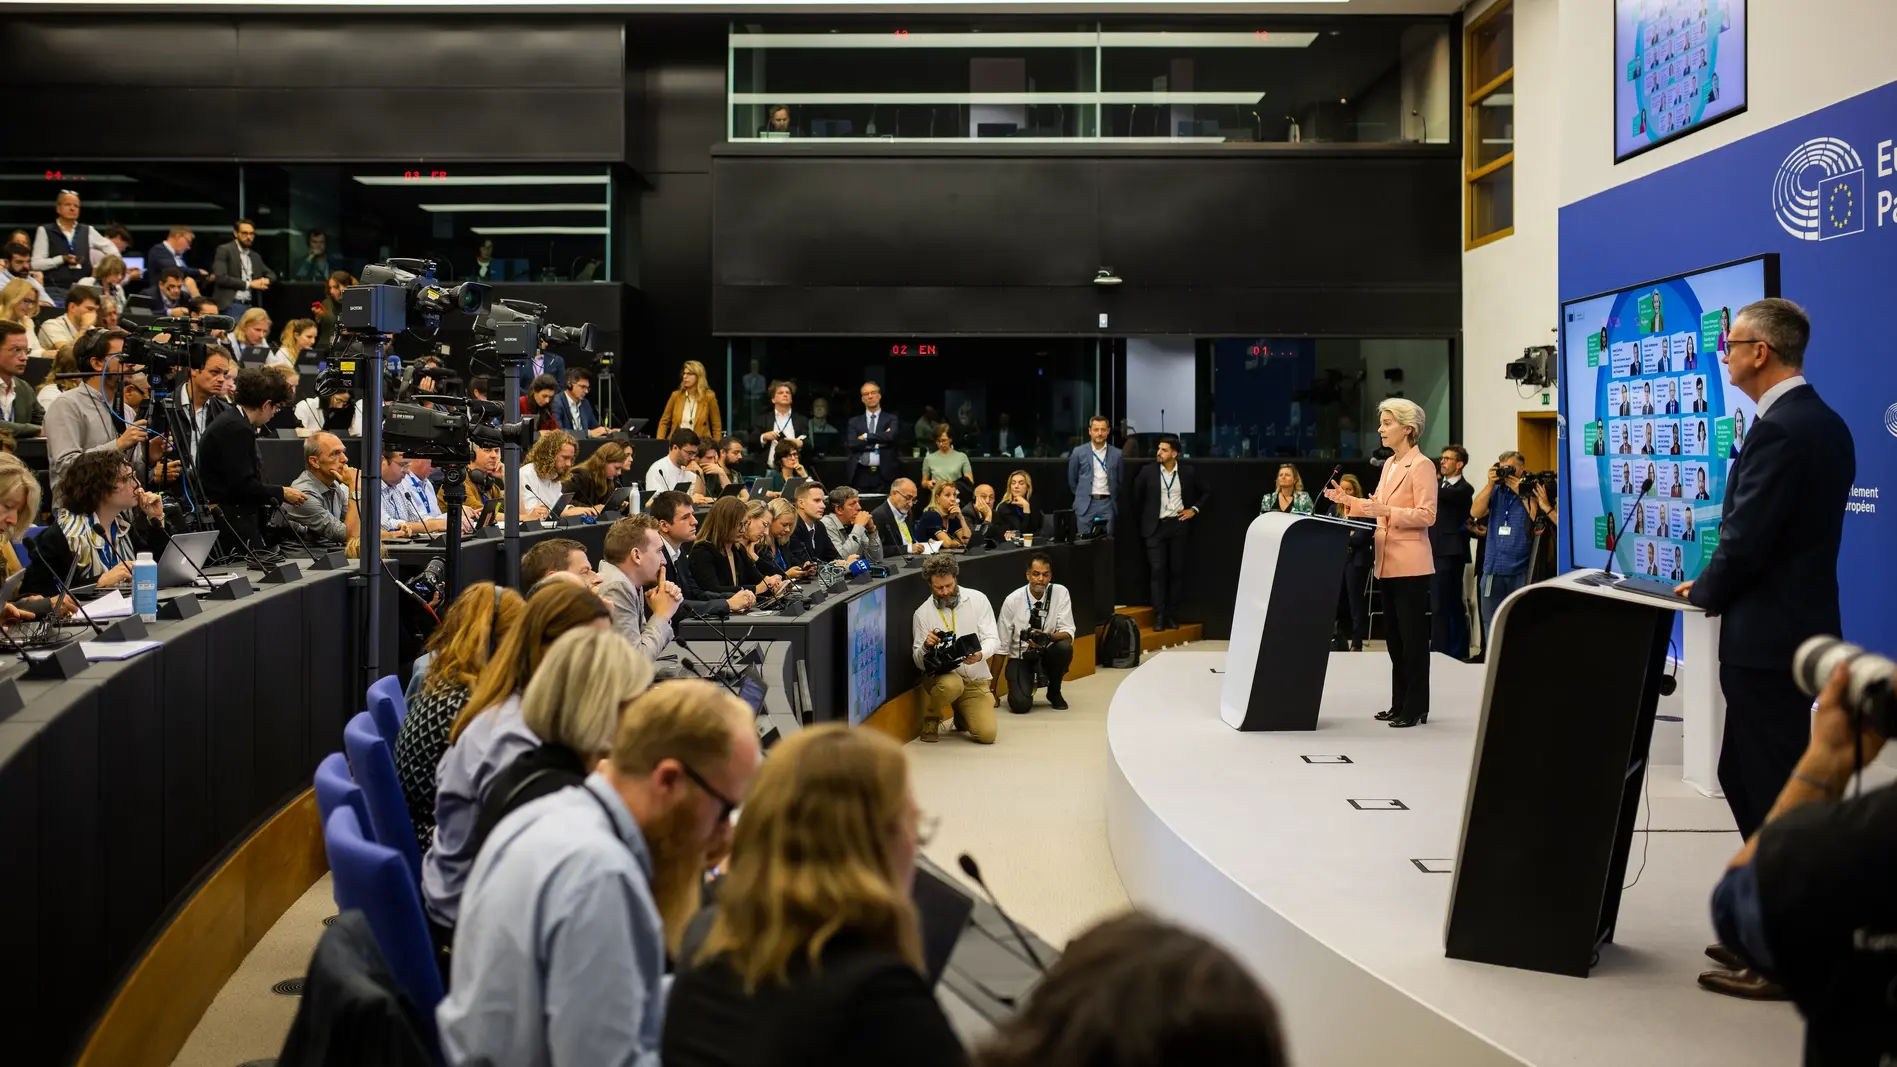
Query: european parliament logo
1818	192
1890	419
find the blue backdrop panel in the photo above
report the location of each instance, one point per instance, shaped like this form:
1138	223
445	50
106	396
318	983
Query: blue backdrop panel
1820	190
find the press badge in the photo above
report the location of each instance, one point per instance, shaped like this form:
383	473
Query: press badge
1504	530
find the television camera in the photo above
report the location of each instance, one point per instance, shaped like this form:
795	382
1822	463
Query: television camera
393	290
949	651
513	329
169	344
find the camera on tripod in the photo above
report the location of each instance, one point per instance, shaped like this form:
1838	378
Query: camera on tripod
446	432
949	652
515	329
184	345
393	290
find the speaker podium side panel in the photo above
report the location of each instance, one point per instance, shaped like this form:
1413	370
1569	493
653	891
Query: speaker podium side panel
1289	581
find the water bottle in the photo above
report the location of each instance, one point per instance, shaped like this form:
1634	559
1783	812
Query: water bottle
145	587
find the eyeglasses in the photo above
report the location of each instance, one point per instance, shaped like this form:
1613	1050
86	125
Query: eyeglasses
730	806
1733	341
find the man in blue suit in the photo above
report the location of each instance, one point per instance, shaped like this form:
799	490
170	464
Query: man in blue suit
871	439
543	362
1093	475
170	253
573	411
1773	578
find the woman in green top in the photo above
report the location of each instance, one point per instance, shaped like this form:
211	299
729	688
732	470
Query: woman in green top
946	464
789	465
1289	494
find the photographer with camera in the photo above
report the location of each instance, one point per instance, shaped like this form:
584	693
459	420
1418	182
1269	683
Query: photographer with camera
85	420
1037	636
953	636
228	463
1810	901
1510	543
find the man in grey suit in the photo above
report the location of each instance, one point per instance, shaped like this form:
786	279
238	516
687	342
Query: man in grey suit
241	274
630	565
1093	474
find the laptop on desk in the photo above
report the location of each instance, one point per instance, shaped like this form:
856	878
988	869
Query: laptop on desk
184	557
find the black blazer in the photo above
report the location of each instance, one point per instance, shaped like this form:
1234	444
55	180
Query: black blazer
678	571
711	575
1449	537
862	1005
799	428
888	425
1774	576
52	556
1009	517
807	545
884	519
1146	493
229	466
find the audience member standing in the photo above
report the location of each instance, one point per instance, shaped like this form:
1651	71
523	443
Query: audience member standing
241	274
229	466
82	419
692	406
169	254
947	465
579	896
780	423
1773	579
813	954
1353	604
871	441
1166	497
1138	992
315	264
65	249
1449	544
964	695
1511	535
478	621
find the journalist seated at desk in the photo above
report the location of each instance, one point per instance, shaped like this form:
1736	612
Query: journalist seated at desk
943	519
107	521
325	512
723	558
19	502
228	464
850	528
773	555
593	481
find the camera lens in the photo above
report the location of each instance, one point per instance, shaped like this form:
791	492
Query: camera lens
1816	660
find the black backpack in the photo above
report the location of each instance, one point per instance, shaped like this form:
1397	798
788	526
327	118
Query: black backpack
1120	646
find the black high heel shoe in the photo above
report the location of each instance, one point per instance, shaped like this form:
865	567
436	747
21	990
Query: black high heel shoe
1405	723
1386	714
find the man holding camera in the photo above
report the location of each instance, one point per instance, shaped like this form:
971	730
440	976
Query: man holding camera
960	689
1506	558
1037	636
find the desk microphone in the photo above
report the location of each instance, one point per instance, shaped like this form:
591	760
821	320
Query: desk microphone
1614	542
65	590
973	871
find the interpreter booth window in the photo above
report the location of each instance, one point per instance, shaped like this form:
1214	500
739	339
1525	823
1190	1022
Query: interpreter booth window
1279	397
1359	80
147	199
1017	397
479	222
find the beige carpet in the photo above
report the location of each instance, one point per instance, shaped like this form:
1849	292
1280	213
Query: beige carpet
247	1021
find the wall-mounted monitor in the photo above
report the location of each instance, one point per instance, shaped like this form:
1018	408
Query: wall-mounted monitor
1678	65
1646	396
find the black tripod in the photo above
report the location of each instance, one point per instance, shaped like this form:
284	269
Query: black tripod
454	497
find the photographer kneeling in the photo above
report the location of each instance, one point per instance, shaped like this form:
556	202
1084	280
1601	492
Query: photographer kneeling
1811	900
1037	636
954	635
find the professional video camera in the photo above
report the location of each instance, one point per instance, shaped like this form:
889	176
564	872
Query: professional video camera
393	290
184	344
1871	691
949	652
444	433
515	328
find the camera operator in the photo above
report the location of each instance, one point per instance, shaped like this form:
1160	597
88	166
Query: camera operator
203	390
965	693
228	463
1037	635
1810	901
85	420
1510	541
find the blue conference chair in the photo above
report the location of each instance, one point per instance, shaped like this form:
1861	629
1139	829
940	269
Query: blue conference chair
389	706
374	769
373	879
335	789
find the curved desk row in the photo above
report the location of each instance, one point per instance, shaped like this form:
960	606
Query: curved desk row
124	789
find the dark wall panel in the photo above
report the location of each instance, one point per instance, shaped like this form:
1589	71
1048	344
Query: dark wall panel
340	89
1345	243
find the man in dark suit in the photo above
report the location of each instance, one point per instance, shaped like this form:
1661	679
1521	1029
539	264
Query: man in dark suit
1449	543
168	298
573	411
229	466
170	253
894	519
871	440
1166	498
779	423
808	541
543	362
678	526
241	274
1773	579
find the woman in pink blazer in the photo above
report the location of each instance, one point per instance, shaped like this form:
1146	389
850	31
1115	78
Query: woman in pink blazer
1404	506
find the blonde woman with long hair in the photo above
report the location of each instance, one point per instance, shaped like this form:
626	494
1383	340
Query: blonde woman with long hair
298	337
20	302
815	909
19	507
692	406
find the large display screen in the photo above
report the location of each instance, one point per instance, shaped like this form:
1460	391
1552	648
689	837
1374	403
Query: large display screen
1679	65
869	653
1646	395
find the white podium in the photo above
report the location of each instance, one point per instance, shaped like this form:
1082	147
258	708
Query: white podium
1288	583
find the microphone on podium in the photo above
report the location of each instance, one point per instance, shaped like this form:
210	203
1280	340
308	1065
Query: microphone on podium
973	871
1614	541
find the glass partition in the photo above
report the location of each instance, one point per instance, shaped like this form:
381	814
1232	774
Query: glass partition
1317	397
1365	80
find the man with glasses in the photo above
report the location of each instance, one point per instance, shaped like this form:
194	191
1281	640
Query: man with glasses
229	466
242	275
65	250
20	412
1774	575
559	954
85	420
892	519
678	465
204	388
406	508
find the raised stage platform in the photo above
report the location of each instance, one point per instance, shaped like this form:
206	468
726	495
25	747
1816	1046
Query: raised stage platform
1340	908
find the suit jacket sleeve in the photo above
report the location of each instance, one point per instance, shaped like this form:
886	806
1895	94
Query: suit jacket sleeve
227	456
1074	470
1755	520
229	279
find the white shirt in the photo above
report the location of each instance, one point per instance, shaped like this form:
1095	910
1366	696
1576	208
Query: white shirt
1771	395
280	358
1453	479
664	474
972	614
9	392
1171	500
1015	612
1099	471
688	415
309	415
537	490
785	426
45	259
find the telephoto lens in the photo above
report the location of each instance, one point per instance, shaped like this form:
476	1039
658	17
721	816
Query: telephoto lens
1868	692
